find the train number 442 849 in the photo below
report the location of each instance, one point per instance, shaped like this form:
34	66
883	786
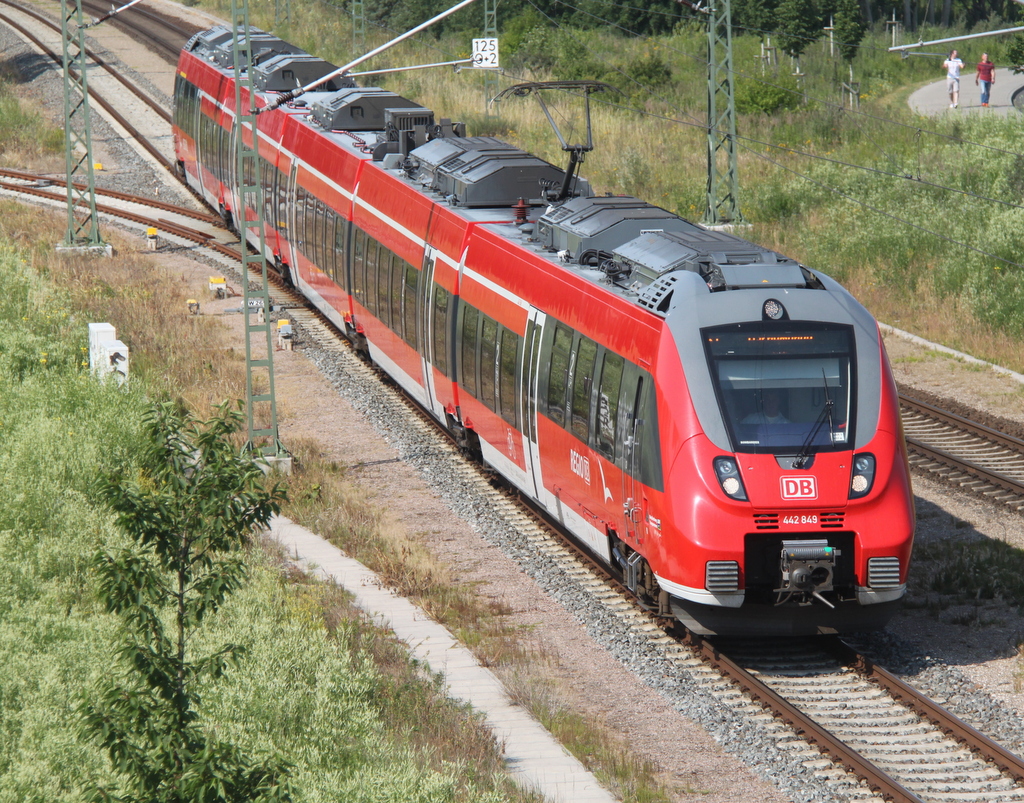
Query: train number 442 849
809	519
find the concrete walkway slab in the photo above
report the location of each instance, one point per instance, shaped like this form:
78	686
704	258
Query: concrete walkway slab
534	758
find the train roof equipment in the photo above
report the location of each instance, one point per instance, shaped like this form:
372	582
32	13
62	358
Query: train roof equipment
215	45
484	171
284	71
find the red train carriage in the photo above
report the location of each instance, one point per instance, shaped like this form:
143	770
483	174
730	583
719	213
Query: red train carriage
714	420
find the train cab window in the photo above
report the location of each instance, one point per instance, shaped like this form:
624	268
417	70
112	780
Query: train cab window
488	357
440	329
785	386
583	383
470	321
507	375
561	349
412	285
608	404
359	267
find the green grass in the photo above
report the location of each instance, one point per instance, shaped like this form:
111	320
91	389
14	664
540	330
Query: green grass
969	570
339	698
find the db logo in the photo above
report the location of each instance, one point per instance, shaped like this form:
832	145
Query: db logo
799	488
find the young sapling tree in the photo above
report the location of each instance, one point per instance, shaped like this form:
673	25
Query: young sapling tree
195	502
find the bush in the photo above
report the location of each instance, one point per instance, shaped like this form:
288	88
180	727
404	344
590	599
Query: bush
761	97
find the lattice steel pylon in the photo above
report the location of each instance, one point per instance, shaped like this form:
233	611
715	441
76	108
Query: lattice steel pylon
261	405
83	230
491	82
723	205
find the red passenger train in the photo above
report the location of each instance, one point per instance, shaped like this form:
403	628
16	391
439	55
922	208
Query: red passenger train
714	420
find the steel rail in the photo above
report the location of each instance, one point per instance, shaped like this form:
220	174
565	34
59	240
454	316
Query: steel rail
169	51
950	724
97	59
204	217
952	461
968	428
879	781
962	423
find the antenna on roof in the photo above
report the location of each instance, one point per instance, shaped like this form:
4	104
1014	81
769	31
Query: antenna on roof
576	152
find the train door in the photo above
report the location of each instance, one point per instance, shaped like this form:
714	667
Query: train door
528	397
634	502
432	320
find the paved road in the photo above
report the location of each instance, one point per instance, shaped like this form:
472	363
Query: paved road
933	98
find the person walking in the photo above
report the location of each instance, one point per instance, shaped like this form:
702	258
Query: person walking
953	64
986	75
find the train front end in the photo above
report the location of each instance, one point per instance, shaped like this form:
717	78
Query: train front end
791	503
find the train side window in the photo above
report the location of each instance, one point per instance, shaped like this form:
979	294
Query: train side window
608	403
223	154
558	373
358	266
281	197
340	250
440	329
299	240
470	319
266	186
372	287
583	383
528	391
384	285
650	456
309	228
397	286
488	360
507	375
412	285
320	235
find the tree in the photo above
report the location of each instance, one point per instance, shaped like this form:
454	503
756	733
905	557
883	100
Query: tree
797	24
189	511
848	28
1015	53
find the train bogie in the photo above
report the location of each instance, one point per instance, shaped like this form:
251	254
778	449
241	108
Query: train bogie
715	421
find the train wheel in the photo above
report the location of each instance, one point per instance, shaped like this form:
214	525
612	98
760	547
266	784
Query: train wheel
285	273
228	218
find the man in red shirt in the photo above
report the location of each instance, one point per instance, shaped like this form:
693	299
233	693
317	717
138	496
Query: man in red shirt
986	75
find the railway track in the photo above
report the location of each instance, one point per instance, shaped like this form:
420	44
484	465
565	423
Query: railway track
882	747
962	452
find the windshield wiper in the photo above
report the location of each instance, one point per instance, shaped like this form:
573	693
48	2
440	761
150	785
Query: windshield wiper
826	412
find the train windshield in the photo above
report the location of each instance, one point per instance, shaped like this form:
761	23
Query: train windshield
784	387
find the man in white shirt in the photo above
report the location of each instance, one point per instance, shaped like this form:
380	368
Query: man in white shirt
953	64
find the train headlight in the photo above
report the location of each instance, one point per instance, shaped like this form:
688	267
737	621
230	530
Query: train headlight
863	475
772	310
728	474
